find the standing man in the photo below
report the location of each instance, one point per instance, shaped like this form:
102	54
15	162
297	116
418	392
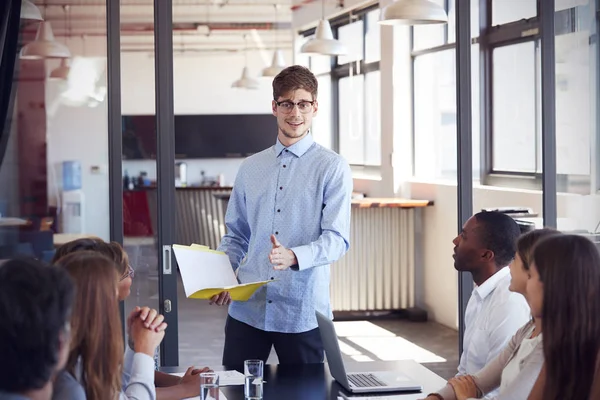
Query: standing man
288	219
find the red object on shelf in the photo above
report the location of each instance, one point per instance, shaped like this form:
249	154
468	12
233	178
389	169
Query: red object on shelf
136	214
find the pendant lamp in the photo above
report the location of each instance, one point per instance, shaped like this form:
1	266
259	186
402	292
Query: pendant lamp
245	82
44	46
323	42
413	12
277	65
29	11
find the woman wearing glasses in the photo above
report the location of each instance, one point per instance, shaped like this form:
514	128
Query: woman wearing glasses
167	386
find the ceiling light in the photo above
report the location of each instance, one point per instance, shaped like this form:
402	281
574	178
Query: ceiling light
29	11
44	46
323	42
246	82
277	65
61	72
413	12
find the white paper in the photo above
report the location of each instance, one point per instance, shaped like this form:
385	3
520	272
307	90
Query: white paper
203	269
221	397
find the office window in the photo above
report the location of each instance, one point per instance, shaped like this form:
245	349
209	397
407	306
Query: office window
452	20
351	119
435	115
372	142
322	129
373	37
428	36
353	36
505	11
515	125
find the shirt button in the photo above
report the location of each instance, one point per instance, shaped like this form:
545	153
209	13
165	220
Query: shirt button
283	165
280	187
278	210
272	278
277	233
286	150
270	301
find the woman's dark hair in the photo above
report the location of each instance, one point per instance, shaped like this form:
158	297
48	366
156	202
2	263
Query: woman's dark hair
569	268
35	305
527	242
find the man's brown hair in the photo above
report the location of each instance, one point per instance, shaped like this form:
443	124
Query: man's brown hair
294	78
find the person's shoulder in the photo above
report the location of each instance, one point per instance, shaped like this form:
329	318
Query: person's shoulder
257	159
66	387
330	158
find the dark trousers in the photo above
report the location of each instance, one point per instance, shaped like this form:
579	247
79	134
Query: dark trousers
244	342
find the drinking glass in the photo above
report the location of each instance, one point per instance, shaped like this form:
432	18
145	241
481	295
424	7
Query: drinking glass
253	384
209	386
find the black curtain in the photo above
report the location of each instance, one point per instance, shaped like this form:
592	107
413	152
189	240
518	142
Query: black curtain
10	14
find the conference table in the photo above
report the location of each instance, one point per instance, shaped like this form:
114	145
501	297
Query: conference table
314	382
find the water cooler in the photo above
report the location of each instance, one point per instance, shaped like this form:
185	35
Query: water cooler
72	205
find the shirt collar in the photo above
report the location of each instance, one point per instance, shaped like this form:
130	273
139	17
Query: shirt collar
298	148
488	286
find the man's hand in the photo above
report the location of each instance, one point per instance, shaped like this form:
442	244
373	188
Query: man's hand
464	387
280	257
223	298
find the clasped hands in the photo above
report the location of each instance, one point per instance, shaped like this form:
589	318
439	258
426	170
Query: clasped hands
279	256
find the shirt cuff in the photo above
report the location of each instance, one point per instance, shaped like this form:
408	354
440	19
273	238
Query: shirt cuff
304	256
143	366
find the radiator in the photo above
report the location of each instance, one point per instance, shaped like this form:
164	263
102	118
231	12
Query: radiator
200	217
378	272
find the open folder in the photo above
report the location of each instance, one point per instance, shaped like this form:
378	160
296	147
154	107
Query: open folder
207	272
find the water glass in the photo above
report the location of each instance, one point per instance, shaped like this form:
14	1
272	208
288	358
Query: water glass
209	386
253	384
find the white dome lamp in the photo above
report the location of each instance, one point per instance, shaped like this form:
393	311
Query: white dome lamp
246	81
323	42
413	12
44	45
30	12
277	64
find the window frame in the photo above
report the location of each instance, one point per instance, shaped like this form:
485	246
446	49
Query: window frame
492	37
339	71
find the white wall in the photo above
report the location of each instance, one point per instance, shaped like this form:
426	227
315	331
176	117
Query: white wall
202	85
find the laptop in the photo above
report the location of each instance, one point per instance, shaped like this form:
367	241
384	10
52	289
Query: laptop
364	382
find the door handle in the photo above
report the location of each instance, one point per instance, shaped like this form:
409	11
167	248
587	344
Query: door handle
167	270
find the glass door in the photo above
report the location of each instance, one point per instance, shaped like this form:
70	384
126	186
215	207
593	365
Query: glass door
142	156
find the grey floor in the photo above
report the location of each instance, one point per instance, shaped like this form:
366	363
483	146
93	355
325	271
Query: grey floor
201	329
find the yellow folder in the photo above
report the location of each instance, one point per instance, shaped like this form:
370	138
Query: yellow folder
207	272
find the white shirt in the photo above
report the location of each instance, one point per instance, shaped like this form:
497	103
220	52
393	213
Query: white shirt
492	317
513	368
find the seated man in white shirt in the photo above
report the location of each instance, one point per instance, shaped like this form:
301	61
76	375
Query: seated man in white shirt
485	247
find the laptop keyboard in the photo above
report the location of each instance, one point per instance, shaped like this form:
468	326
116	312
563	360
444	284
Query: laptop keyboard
365	380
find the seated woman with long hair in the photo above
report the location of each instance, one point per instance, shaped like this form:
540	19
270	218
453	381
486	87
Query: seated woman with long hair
95	365
167	386
516	368
565	289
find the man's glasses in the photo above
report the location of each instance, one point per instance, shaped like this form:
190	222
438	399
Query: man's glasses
130	273
287	106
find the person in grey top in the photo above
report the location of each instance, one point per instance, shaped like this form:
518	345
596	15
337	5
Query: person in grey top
35	305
